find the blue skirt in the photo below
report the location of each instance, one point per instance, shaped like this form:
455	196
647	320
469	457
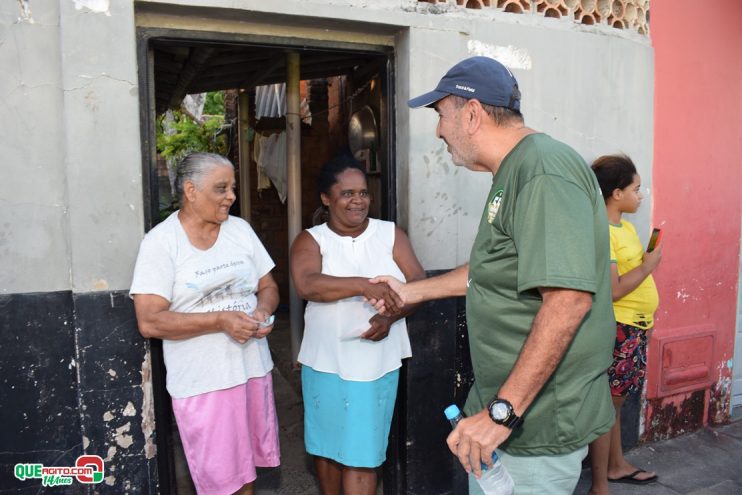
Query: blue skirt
348	421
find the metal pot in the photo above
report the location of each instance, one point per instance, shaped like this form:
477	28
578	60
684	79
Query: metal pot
362	132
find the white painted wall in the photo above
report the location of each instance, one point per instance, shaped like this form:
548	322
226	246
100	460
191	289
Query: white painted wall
72	195
34	238
584	85
102	151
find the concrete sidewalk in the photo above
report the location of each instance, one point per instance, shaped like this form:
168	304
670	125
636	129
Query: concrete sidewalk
706	462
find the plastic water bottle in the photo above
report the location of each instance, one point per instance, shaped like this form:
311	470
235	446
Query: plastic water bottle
495	480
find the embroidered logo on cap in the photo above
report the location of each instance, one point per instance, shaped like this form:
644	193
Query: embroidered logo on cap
466	88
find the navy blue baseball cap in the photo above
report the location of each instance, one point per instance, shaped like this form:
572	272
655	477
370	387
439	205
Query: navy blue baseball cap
482	78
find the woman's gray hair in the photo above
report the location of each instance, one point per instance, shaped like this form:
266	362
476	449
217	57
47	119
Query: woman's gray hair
195	166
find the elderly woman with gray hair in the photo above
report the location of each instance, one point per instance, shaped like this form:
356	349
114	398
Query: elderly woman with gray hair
202	284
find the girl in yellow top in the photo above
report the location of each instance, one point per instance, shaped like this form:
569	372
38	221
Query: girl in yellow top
635	300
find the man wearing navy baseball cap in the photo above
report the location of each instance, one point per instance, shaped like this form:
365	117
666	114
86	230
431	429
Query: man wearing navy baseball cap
482	78
537	286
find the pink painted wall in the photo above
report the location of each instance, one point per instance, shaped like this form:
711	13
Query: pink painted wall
697	191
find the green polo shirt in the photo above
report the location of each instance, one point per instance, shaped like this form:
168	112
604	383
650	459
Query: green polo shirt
544	225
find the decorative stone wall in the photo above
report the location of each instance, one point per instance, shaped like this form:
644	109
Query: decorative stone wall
620	14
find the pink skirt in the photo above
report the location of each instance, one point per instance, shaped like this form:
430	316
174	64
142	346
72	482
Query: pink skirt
227	433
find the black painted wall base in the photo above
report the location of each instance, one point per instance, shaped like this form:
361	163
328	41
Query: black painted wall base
437	375
73	368
72	379
630	413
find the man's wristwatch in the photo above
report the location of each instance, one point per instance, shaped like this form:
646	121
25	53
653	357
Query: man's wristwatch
501	412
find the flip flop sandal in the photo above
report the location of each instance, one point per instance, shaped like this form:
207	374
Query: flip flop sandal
633	480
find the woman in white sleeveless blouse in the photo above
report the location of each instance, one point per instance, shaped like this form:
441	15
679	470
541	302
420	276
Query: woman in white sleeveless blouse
350	354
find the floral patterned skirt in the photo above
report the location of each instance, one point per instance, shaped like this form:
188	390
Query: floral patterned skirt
626	374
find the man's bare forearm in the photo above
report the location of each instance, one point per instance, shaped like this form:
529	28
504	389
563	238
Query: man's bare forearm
551	333
449	284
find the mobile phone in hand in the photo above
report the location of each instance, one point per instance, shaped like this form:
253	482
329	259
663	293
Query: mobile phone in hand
654	239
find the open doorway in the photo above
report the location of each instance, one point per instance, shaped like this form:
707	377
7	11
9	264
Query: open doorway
346	99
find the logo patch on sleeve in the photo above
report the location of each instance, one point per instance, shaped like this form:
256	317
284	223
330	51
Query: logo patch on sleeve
494	206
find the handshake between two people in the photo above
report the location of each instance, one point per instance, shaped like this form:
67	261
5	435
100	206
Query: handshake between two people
388	295
392	299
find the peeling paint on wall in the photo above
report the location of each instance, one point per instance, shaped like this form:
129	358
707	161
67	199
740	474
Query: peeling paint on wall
25	7
129	410
675	415
97	6
148	408
682	295
510	56
110	454
122	438
721	395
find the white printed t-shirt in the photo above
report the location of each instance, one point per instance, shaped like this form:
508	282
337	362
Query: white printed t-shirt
332	342
222	278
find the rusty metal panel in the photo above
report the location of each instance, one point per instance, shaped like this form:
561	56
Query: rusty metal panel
681	361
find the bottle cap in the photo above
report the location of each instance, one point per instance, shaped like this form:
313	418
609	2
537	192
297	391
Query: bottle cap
452	411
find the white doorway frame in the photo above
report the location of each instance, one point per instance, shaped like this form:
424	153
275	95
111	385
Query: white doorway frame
736	411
